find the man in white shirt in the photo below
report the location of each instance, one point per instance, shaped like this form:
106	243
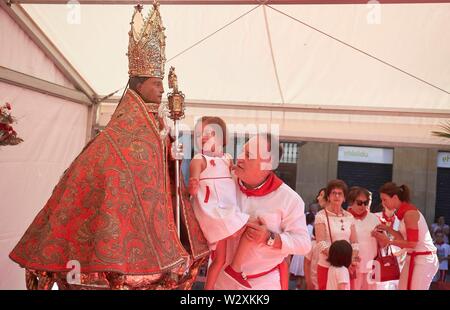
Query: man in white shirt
281	230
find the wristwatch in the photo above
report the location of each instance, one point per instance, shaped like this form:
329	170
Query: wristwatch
271	239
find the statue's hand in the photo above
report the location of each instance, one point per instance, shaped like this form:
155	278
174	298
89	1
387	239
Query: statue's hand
177	152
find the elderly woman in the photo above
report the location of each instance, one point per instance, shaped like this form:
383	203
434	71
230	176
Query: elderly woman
422	263
334	223
359	200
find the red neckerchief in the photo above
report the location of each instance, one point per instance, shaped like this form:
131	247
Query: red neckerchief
404	207
386	219
440	243
271	184
358	216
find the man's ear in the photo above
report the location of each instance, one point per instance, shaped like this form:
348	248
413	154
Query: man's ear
138	87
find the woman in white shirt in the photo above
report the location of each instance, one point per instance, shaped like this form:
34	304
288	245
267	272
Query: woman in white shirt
359	200
334	223
421	263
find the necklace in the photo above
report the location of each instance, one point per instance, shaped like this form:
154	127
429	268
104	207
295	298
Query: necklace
341	214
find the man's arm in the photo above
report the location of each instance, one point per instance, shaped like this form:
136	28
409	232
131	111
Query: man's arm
294	237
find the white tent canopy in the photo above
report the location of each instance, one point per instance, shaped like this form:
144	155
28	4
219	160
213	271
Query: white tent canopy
263	56
351	73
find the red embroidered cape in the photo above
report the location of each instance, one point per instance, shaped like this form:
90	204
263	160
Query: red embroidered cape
112	208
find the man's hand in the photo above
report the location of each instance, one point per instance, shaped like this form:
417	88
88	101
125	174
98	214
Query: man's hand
193	186
176	152
257	231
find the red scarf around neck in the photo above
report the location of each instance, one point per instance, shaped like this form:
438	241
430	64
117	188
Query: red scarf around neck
271	184
358	216
387	220
404	207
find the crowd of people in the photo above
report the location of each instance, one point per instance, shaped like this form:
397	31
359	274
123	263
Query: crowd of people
347	242
348	246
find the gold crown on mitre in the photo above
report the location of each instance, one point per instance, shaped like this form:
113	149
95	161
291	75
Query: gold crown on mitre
146	48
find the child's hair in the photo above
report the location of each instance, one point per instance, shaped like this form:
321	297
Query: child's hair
340	254
438	232
310	217
214	120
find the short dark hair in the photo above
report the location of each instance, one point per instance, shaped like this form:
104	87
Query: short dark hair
310	218
391	189
214	120
135	80
437	217
439	232
340	254
336	184
324	189
355	191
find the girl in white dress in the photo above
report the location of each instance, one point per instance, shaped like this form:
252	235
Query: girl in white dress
214	192
340	258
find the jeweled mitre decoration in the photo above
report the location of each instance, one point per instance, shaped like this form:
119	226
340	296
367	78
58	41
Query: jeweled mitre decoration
146	49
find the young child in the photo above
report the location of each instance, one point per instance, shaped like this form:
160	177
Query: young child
443	253
311	260
297	266
340	258
214	192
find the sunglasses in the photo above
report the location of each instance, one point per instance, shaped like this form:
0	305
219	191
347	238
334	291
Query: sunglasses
360	202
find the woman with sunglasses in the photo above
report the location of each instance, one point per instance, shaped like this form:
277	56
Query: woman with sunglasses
333	223
421	263
359	200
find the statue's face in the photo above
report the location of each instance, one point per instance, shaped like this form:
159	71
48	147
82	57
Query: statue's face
151	90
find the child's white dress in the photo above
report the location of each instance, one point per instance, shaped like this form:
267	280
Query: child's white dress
215	206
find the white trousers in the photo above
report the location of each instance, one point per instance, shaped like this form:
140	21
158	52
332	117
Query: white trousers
270	281
425	267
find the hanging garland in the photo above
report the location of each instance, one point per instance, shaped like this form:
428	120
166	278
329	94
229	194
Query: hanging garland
8	136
